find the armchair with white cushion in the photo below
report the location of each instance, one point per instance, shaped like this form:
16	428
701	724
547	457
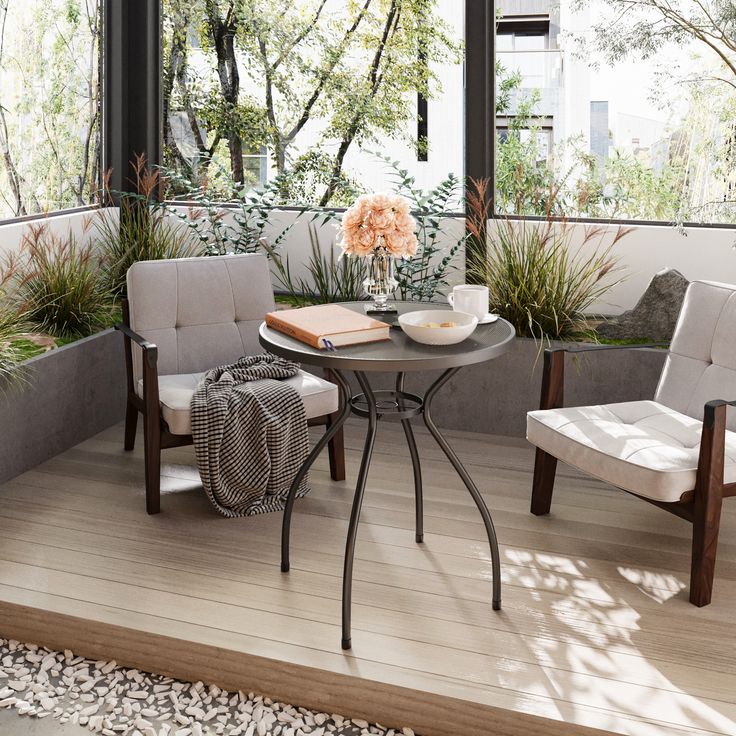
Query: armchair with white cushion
678	451
183	317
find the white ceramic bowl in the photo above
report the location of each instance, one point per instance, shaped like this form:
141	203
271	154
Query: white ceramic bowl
412	324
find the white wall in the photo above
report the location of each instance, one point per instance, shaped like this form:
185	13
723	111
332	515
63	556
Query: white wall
297	246
79	223
701	253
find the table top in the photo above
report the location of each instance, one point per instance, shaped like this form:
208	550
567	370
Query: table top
400	353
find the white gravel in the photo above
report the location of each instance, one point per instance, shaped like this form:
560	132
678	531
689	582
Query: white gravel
114	701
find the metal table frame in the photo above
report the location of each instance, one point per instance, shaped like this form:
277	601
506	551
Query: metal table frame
386	404
377	405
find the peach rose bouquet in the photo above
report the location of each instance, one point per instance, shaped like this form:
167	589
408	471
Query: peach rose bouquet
379	221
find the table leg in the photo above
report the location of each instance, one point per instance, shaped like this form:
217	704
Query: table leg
321	444
370	438
416	466
467	480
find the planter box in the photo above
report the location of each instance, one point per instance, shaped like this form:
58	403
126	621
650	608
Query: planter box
494	397
72	393
78	390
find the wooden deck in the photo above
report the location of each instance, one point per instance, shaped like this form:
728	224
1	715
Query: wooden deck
595	632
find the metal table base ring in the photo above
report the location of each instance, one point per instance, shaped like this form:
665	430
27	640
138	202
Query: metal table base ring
388	403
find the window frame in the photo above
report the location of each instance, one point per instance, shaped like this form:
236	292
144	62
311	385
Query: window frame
131	68
480	98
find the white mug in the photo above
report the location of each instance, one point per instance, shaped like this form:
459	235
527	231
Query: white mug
470	299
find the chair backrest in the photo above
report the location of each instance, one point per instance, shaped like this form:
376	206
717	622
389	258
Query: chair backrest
701	365
200	312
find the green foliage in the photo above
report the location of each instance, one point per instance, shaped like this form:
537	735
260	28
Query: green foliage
641	28
11	349
624	186
352	67
12	326
56	285
627	187
421	276
537	278
141	230
49	116
238	223
687	176
312	172
506	84
330	279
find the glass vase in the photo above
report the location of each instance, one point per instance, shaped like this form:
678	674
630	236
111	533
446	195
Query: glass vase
380	283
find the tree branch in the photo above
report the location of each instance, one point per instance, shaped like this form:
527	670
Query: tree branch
327	71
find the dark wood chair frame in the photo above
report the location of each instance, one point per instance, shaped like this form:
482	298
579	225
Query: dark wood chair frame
156	434
701	507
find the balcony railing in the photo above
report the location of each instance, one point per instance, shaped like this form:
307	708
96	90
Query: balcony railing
540	69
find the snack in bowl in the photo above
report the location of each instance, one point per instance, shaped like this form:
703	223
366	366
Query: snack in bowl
438	326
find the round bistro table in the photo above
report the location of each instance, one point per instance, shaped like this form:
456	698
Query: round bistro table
399	355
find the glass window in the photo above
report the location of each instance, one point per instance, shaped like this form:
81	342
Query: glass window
49	105
640	99
323	91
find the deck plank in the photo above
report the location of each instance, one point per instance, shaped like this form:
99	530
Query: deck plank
592	593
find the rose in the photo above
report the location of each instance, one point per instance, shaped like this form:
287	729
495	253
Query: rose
401	245
381	220
375	219
379	201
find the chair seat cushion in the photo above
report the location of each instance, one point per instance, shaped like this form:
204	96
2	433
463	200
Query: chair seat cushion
320	397
640	446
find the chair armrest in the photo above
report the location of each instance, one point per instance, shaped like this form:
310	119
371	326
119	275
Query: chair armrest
553	378
150	367
713	408
135	337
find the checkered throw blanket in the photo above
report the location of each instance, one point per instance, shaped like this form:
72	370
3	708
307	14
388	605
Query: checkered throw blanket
250	435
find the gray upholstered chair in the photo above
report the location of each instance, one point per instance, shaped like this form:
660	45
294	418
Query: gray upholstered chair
677	451
183	317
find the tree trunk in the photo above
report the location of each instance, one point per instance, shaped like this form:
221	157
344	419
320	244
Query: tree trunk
223	35
235	144
14	178
375	78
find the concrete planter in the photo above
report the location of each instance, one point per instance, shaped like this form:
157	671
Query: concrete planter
72	393
494	397
78	390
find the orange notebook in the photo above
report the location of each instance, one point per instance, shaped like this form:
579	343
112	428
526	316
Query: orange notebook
326	324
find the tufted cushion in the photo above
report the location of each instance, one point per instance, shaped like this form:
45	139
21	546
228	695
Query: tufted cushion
200	312
641	446
320	397
701	365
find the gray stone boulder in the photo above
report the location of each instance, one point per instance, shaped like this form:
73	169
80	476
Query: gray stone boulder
654	315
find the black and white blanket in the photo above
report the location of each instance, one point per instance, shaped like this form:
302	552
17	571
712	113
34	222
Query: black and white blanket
250	435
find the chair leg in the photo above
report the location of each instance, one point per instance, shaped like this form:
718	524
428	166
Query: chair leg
131	425
706	525
543	484
152	439
336	451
